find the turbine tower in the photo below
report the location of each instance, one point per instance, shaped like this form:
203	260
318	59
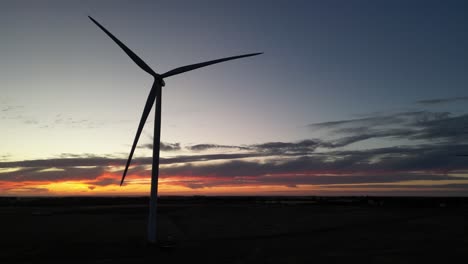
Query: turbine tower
155	94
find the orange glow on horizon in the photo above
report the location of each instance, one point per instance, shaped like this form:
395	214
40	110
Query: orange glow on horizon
108	184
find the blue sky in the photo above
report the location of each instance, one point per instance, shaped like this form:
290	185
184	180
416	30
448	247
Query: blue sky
68	90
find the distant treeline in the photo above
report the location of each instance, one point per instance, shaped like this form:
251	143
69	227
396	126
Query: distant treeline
266	200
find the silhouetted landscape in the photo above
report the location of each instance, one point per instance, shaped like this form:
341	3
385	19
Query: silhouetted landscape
234	230
346	141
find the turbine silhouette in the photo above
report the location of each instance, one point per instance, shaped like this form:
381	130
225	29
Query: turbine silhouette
155	94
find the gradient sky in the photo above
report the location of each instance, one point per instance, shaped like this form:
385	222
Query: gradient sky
350	97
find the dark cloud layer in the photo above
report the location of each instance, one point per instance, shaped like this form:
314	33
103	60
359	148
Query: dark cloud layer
304	146
279	148
384	165
443	100
372	121
441	139
422	125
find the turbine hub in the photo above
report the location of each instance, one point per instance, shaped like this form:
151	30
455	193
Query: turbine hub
161	81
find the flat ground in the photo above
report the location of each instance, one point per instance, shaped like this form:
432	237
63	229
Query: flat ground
235	230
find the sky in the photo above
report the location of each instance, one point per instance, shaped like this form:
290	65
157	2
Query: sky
349	97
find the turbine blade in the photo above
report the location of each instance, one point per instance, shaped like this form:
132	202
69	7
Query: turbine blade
144	116
130	53
203	64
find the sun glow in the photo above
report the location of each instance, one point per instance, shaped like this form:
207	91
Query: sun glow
108	184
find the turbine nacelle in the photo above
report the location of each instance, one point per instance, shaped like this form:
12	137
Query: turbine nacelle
159	80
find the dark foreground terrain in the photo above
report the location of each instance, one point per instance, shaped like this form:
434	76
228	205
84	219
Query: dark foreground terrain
235	230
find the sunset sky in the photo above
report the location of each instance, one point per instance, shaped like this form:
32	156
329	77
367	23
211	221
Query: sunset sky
349	97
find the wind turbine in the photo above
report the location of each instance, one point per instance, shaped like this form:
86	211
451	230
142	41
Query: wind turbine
155	94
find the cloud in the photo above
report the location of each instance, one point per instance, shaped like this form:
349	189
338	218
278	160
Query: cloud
443	100
95	161
431	160
30	122
421	125
72	122
413	118
449	128
397	160
10	108
18	113
169	146
164	146
203	147
437	138
357	137
269	147
289	147
63	162
4	157
382	166
66	174
104	181
372	121
13	112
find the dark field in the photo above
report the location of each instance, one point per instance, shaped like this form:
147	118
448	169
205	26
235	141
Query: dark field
235	230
